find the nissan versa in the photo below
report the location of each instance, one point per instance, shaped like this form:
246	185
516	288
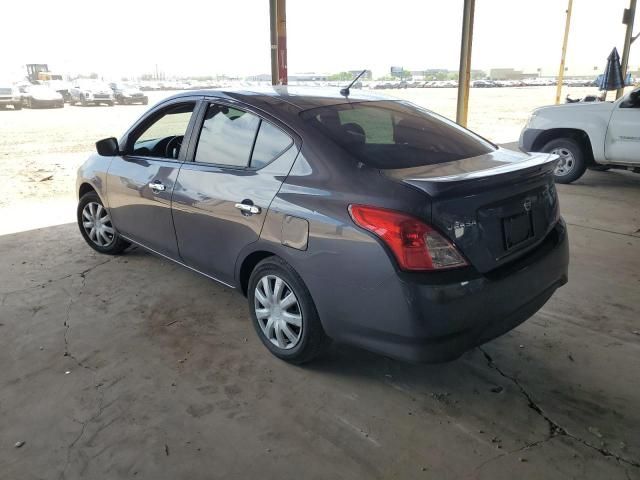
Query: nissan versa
355	218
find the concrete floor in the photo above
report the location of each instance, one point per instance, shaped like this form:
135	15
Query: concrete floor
167	379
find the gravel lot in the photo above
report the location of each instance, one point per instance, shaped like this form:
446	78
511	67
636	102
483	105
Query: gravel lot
37	144
132	367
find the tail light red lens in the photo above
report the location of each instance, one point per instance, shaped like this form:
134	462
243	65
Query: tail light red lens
416	245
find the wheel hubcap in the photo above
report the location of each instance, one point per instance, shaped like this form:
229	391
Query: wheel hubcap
566	163
278	312
97	224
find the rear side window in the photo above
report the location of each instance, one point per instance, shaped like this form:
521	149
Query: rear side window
390	134
227	136
270	143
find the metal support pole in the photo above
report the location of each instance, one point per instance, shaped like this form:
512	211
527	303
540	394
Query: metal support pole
464	73
281	12
564	52
629	16
273	17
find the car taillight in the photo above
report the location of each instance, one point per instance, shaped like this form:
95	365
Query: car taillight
416	245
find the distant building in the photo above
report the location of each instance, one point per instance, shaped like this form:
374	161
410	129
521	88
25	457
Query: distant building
366	76
262	77
509	74
308	77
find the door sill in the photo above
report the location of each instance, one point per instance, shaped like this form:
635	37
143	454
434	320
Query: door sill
176	261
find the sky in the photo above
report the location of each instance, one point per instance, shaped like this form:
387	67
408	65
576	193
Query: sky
127	38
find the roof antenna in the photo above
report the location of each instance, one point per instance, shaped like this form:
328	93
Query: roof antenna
345	91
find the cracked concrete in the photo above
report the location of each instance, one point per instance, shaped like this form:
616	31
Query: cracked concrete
167	379
554	428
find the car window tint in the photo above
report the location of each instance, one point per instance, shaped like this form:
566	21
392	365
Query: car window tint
377	124
395	134
227	136
172	123
270	143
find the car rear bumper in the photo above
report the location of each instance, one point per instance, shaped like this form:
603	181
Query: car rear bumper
420	322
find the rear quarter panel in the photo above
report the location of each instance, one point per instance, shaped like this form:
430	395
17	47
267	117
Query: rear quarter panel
348	271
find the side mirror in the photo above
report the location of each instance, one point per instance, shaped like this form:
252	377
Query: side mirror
108	147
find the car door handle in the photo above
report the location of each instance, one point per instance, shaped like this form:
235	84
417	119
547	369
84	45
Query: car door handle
157	186
248	209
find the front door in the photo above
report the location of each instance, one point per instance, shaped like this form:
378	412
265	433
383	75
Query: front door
623	133
222	195
140	183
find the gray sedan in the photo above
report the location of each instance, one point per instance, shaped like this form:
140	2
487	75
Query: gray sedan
355	218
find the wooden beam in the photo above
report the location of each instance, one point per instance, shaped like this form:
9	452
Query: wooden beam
464	72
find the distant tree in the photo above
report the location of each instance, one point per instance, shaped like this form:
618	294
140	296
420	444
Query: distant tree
342	76
93	76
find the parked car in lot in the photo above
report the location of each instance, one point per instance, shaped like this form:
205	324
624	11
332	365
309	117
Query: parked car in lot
88	92
60	86
365	220
40	96
128	94
598	135
10	96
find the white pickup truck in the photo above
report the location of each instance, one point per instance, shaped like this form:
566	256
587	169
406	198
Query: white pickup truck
597	135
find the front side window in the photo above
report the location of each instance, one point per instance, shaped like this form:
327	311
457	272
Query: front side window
633	100
163	137
393	134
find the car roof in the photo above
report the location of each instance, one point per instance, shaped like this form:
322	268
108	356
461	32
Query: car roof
301	97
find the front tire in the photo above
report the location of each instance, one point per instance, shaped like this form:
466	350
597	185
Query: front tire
96	227
283	312
572	164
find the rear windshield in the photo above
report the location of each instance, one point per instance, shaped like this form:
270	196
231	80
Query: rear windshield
390	134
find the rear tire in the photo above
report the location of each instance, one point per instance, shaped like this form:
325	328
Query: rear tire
572	164
96	227
294	343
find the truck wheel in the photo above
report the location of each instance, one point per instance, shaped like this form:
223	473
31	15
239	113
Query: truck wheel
571	165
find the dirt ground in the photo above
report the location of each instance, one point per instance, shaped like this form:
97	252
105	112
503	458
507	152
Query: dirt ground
40	150
133	367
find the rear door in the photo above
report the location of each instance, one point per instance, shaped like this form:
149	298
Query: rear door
623	134
141	181
223	193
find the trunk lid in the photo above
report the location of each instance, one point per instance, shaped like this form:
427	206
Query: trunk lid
494	207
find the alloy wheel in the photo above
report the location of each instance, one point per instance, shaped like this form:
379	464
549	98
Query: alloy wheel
566	163
96	222
278	312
